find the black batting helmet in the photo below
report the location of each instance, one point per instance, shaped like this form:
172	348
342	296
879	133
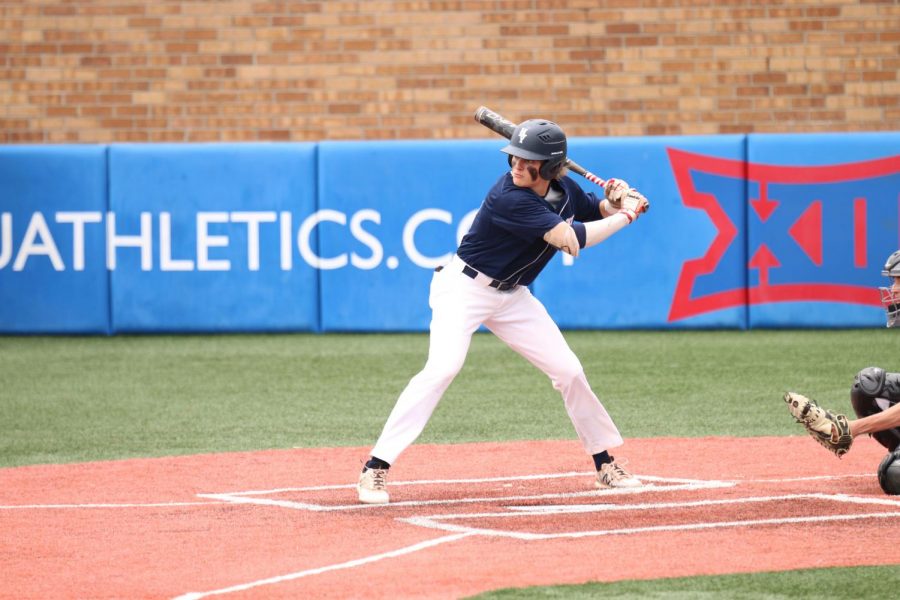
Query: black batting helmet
889	473
539	139
890	296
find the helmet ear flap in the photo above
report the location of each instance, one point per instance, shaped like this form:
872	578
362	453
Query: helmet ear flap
550	169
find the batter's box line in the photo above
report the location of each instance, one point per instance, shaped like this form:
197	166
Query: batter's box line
670	484
439	521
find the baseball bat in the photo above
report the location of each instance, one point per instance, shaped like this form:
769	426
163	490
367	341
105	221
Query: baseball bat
498	124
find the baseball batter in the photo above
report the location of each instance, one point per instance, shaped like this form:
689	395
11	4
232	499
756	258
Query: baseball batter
530	212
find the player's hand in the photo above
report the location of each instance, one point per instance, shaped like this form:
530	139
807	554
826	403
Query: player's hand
633	204
616	190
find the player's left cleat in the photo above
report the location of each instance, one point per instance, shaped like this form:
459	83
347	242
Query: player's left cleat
372	488
614	475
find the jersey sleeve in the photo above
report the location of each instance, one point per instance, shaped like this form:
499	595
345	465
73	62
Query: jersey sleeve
580	233
587	204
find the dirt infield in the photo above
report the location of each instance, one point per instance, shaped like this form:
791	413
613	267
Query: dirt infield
464	519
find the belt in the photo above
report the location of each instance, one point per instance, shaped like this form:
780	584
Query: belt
500	286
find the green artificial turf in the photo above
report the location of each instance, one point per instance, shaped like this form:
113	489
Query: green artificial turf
68	399
857	583
65	399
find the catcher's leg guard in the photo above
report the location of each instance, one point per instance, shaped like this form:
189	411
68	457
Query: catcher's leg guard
873	391
889	473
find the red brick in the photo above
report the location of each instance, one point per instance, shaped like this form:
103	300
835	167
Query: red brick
559	56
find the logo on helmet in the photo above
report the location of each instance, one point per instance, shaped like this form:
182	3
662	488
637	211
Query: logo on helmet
522	134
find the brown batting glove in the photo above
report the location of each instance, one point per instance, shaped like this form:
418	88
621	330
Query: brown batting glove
616	190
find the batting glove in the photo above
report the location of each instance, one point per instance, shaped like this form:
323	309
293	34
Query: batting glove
633	204
616	190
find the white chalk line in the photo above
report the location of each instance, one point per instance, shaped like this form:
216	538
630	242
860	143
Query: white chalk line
473	500
252	497
582	508
422	522
239	497
108	505
440	521
247	498
564	508
336	567
235	497
809	478
542	476
347	486
457	532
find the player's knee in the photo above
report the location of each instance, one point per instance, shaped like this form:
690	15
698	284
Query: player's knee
442	371
567	370
564	375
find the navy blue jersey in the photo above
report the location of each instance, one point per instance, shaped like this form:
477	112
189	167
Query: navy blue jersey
506	240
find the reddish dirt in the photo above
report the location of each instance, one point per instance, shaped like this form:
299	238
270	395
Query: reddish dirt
115	529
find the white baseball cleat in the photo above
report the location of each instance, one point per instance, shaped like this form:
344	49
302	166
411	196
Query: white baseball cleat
371	487
613	475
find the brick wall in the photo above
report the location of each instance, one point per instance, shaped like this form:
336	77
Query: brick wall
122	70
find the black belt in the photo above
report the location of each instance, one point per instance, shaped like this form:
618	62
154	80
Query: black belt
500	286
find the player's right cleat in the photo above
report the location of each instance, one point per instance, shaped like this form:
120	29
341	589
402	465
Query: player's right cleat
613	475
372	488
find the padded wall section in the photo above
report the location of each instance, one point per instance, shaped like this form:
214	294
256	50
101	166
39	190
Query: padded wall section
390	212
209	237
53	276
822	219
759	231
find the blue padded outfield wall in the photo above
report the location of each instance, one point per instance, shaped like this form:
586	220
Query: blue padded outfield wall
745	231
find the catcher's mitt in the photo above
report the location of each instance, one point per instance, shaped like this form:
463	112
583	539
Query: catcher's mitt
829	429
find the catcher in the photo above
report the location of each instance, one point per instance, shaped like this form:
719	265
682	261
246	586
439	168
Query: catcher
875	397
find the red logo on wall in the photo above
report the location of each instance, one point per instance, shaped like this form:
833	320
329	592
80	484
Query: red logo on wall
786	234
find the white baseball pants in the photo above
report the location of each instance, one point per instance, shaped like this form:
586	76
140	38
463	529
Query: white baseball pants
459	306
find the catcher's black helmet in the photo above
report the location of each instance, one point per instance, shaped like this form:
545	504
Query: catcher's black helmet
890	296
892	265
889	473
539	139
